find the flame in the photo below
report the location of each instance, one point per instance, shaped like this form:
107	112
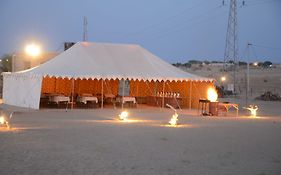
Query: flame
174	120
212	95
2	120
124	116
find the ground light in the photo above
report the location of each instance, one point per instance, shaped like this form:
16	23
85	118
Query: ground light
253	109
123	116
174	120
4	121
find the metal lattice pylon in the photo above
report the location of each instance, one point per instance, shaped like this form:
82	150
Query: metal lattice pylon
231	45
85	29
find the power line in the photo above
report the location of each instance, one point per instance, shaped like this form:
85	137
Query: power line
203	21
167	20
254	52
267	47
188	21
260	2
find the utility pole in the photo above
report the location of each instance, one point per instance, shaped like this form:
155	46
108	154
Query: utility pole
231	45
85	29
248	73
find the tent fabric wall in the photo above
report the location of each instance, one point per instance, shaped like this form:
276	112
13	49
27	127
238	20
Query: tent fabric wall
56	86
81	86
48	85
142	88
189	96
111	87
99	63
23	91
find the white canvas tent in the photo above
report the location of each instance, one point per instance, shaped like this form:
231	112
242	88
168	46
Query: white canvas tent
87	60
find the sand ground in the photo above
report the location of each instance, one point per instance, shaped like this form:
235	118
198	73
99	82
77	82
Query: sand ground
94	141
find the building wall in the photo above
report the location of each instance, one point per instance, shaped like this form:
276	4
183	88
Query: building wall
22	61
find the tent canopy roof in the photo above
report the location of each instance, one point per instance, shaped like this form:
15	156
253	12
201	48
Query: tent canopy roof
110	61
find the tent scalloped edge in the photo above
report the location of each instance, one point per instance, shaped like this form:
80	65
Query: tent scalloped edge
108	77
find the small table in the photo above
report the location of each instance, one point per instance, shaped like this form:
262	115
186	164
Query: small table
227	106
85	99
129	99
59	98
203	103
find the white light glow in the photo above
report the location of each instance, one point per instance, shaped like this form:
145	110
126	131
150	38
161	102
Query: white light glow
253	109
33	50
174	120
2	120
124	115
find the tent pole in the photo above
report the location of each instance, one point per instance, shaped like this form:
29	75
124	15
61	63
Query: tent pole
72	93
123	91
137	94
190	90
102	93
163	96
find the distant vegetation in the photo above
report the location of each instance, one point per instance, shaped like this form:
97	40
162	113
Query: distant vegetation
6	63
266	64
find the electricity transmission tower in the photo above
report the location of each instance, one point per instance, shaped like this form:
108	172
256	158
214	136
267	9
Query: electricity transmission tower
85	29
231	45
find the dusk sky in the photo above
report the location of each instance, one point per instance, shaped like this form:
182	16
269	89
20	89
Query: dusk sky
175	30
